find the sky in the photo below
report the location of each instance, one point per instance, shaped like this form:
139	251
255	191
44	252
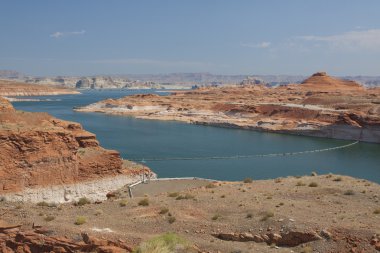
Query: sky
99	37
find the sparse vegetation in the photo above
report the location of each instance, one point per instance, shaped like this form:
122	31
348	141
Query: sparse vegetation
349	192
83	201
144	202
249	216
80	220
44	203
166	243
173	194
223	196
377	211
300	183
164	210
216	217
313	184
266	215
171	219
99	212
210	185
338	179
123	203
248	180
186	196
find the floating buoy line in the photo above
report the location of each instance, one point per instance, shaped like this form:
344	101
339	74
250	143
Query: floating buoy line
156	159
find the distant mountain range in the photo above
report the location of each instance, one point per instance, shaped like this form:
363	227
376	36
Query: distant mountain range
170	81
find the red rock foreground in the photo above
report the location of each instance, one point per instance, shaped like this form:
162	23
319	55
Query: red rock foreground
13	239
321	106
44	158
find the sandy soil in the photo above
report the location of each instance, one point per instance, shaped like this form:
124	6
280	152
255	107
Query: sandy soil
345	207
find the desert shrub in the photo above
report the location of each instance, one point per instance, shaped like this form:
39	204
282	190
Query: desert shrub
247	180
123	203
377	211
313	184
249	216
278	180
186	196
171	219
99	212
266	215
173	194
44	203
80	220
49	218
216	217
166	243
83	201
164	210
300	183
349	192
338	179
211	185
144	202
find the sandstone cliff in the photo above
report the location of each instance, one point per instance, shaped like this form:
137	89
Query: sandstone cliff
321	106
46	158
12	88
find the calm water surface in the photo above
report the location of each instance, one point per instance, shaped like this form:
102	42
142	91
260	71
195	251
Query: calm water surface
135	138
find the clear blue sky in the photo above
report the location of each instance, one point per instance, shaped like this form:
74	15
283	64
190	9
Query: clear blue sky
78	37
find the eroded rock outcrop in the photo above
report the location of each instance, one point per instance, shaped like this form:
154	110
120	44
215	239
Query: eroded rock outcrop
44	158
321	106
36	240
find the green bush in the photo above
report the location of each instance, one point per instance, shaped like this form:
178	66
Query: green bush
167	243
144	202
83	201
248	180
80	220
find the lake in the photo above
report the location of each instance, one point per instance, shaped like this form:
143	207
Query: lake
145	139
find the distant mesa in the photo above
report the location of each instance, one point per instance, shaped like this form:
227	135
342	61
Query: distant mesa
321	80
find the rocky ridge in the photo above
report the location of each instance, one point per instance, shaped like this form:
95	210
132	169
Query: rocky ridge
321	106
43	158
13	88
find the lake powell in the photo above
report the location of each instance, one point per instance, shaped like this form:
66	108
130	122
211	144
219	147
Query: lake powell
145	139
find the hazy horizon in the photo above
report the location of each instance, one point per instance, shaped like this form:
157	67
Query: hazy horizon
82	38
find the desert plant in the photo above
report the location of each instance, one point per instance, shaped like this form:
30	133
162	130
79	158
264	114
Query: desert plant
166	243
99	212
164	210
313	184
123	203
247	180
300	183
338	179
173	194
80	220
223	196
171	219
186	196
349	192
216	217
211	185
144	202
83	201
249	216
266	215
377	211
43	203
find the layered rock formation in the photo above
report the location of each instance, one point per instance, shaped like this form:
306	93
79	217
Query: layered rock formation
44	158
321	106
12	88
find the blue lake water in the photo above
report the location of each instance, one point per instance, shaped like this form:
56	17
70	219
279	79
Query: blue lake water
135	138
